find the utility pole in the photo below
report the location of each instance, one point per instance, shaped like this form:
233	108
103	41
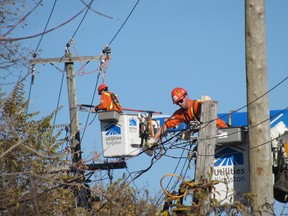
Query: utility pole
81	193
74	120
261	177
206	146
207	141
71	84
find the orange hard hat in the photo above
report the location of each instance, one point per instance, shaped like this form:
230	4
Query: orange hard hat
177	94
101	87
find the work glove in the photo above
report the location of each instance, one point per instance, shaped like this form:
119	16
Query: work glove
96	108
150	142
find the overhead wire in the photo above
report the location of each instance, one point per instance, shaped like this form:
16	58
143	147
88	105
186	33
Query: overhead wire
124	23
87	119
274	87
259	123
269	141
255	147
88	7
59	96
157	203
112	41
67	48
133	179
82	68
234	111
121	26
45	28
34	55
143	171
97	12
39	34
264	120
103	54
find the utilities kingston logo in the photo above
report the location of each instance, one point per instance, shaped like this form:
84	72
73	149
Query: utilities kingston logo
113	129
132	122
228	157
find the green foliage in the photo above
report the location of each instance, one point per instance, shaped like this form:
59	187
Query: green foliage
28	155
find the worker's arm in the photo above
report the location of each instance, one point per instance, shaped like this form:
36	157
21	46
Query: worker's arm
160	132
152	140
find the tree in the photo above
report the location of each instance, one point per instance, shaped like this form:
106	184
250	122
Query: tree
28	157
121	199
31	180
12	53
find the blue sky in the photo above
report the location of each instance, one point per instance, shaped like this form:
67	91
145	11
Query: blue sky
197	45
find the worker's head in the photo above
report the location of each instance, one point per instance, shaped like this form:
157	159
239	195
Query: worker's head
179	97
102	87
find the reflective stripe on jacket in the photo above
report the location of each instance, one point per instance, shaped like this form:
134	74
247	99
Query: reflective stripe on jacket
106	103
192	114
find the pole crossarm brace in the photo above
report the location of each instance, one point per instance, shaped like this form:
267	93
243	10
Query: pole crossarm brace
93	166
67	59
107	166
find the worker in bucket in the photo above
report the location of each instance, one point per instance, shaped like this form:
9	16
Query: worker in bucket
190	110
108	101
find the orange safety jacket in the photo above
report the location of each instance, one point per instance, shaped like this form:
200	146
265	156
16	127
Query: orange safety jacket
109	101
192	114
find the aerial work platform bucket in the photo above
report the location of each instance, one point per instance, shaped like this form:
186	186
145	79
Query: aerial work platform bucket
120	134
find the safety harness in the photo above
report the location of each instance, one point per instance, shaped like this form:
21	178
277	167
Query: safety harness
115	101
193	114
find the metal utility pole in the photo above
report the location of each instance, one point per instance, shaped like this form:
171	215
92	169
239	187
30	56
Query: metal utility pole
261	177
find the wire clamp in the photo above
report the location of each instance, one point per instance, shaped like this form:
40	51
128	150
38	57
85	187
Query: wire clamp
194	125
192	155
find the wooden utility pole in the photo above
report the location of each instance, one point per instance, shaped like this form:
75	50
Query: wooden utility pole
71	84
81	193
261	177
207	141
74	120
206	147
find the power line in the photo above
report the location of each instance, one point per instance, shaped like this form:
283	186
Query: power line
121	28
246	105
123	23
88	7
52	10
58	101
39	34
94	93
34	55
97	12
